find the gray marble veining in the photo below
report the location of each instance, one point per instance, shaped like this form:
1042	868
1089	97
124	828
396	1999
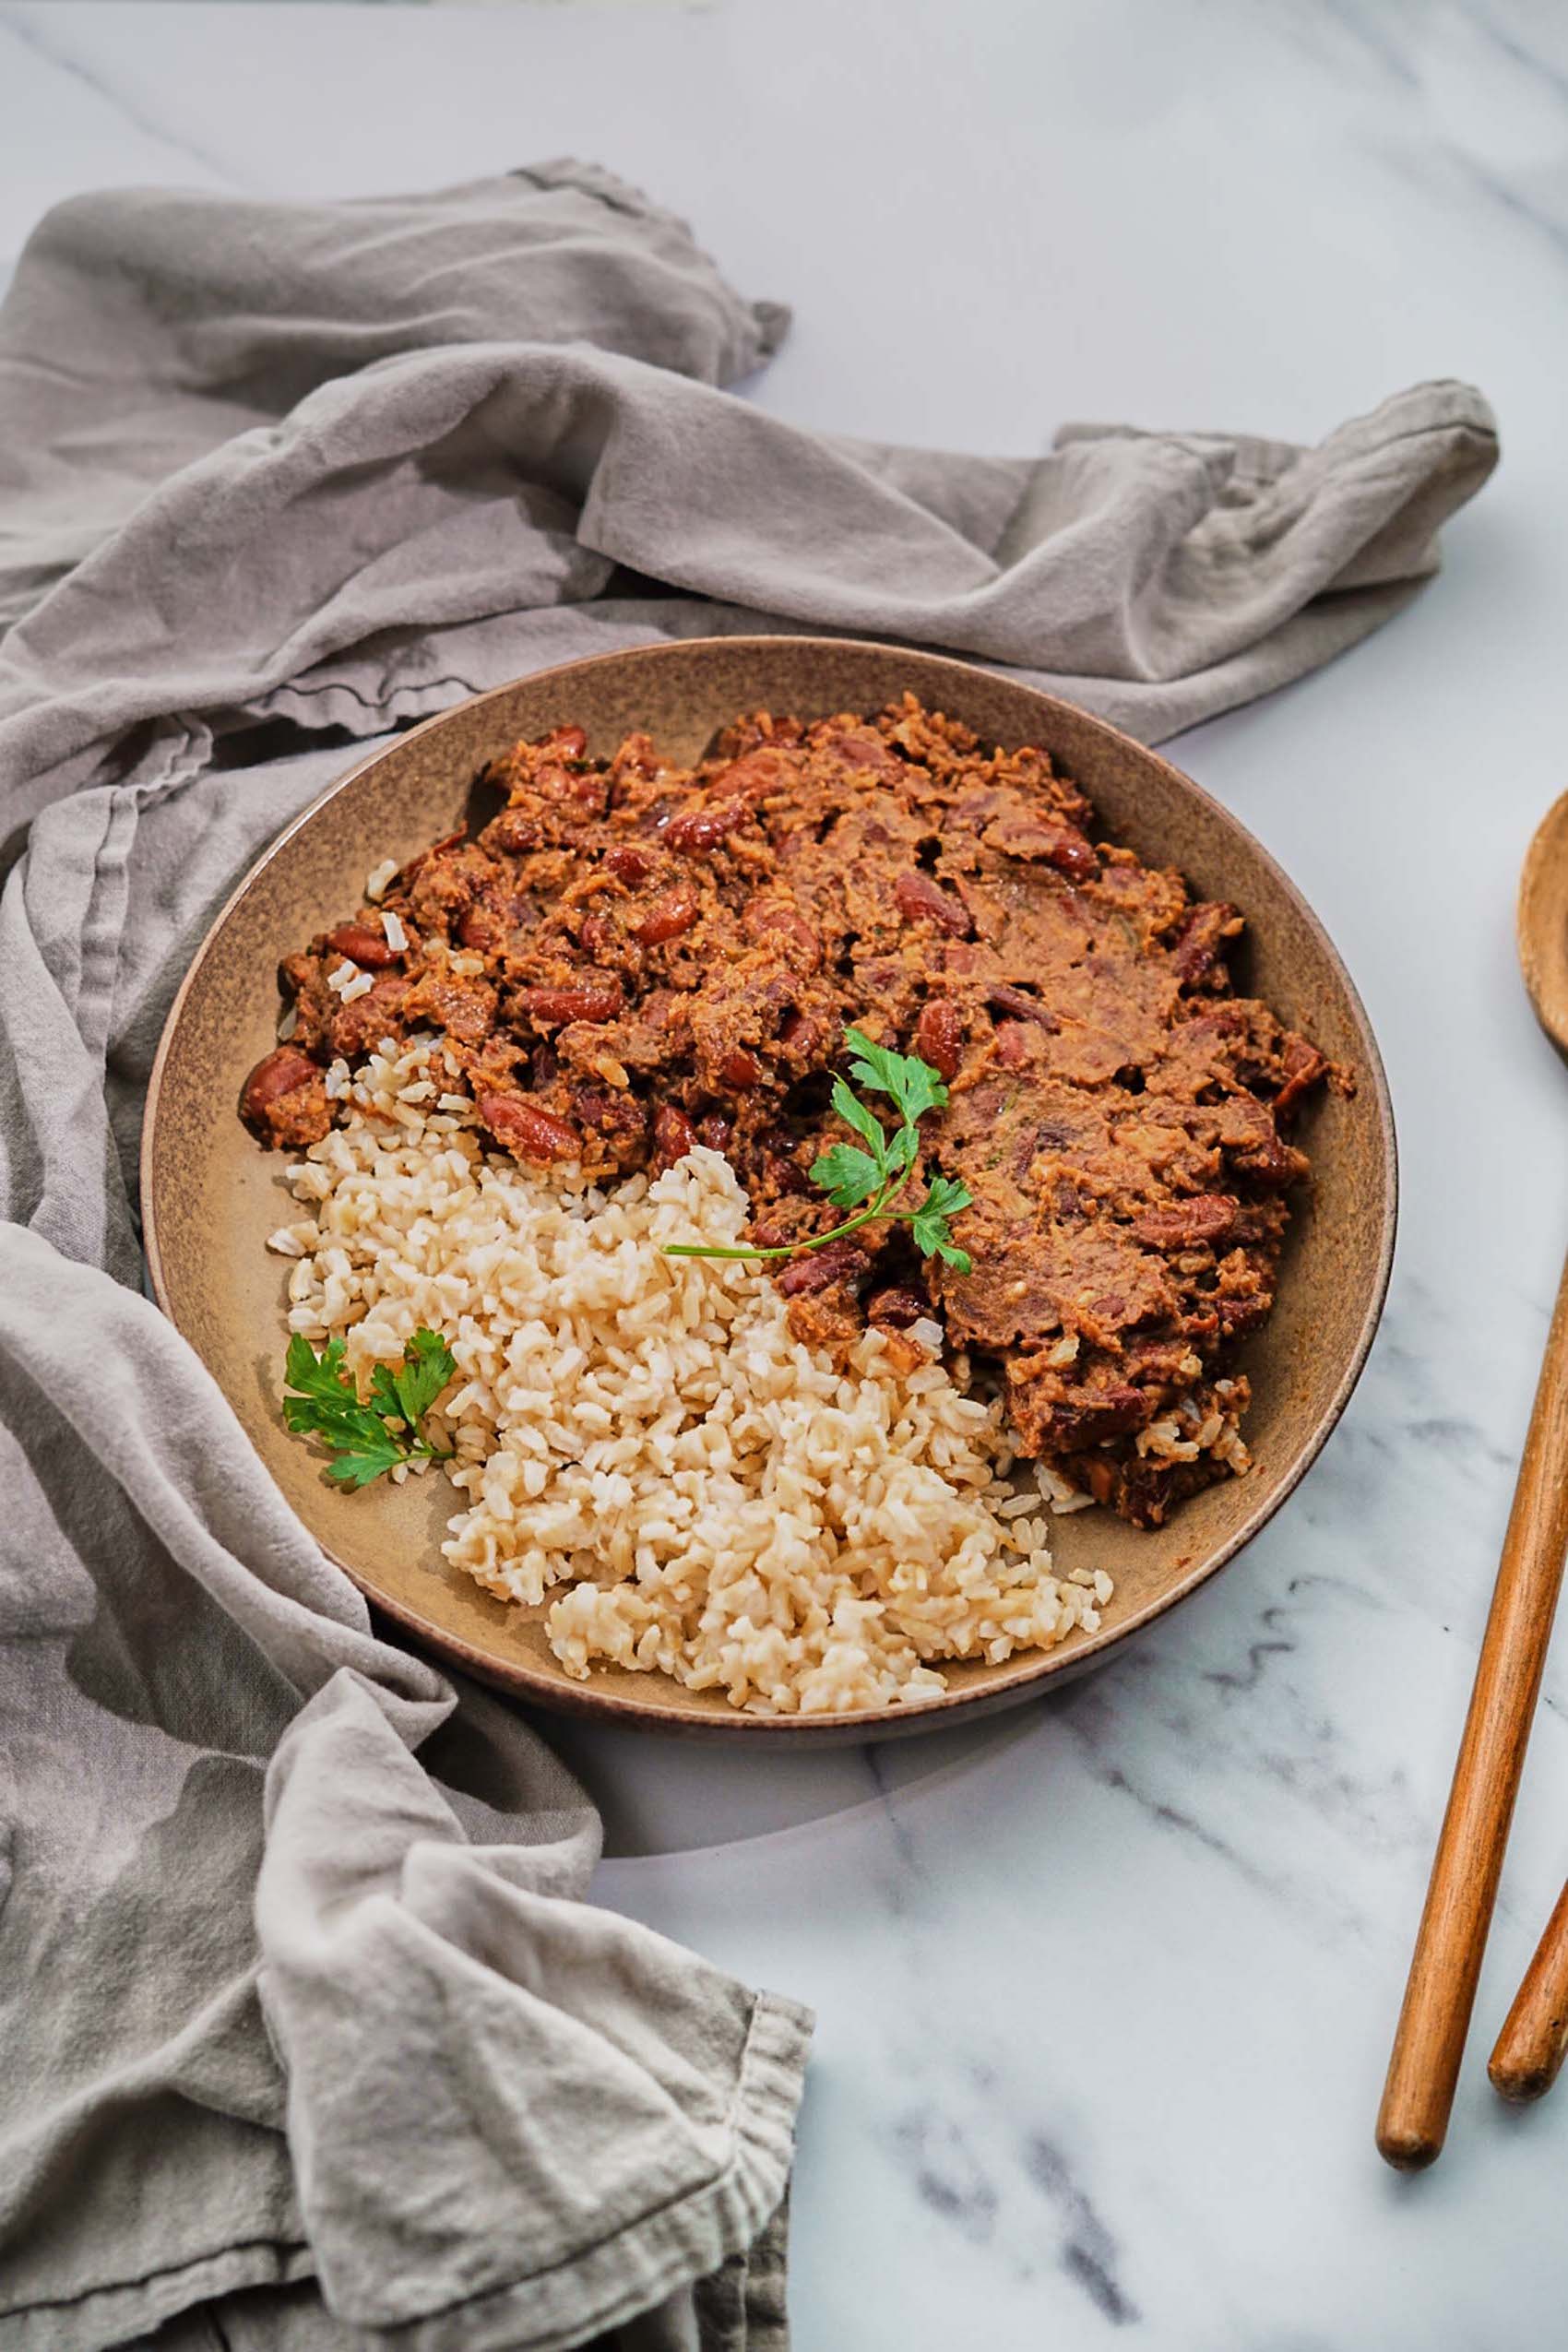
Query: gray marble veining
1105	1990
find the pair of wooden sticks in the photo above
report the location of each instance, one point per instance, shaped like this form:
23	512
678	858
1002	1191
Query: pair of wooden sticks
1430	2039
1439	1995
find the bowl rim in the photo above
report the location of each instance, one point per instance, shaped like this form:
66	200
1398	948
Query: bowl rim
1037	1670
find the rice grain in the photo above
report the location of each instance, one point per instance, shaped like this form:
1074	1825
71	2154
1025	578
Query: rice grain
643	1451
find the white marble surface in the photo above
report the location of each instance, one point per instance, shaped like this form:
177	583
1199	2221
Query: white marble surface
1105	1989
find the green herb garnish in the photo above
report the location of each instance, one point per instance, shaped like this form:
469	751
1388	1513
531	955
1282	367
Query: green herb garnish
877	1169
366	1440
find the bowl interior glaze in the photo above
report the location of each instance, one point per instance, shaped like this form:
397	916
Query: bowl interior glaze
210	1194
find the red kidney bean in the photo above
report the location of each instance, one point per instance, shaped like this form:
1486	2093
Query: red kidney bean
361	946
835	1261
897	1308
803	1276
768	918
673	1135
1070	853
756	773
276	1073
515	830
1305	1065
919	898
939	1037
611	1113
353	1027
1237	1316
668	917
1271	1164
714	1131
1022	1008
783	1170
589	795
1186	1224
1197	947
1107	1414
530	1132
1243	1123
740	1069
628	863
695	831
568	1004
1151	1362
867	750
1061	846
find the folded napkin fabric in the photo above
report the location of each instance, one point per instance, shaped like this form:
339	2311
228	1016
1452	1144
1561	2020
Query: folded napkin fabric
348	463
312	2040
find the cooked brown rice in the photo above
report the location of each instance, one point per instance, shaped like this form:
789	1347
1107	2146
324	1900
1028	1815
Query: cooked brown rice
639	1435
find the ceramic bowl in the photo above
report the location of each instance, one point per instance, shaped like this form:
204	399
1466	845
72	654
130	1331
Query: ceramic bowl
210	1194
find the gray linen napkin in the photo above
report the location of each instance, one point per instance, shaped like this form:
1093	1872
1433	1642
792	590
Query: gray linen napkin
310	2041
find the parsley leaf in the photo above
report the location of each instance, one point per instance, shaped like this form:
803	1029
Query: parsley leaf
846	1174
902	1149
877	1174
427	1368
360	1463
944	1197
914	1086
312	1374
366	1439
855	1115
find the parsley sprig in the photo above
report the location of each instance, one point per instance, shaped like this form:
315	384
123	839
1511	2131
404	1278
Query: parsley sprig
367	1438
876	1168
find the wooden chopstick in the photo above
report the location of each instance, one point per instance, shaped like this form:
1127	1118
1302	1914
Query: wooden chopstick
1430	2039
1534	2041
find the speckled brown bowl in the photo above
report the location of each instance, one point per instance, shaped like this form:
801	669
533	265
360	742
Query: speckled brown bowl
210	1194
